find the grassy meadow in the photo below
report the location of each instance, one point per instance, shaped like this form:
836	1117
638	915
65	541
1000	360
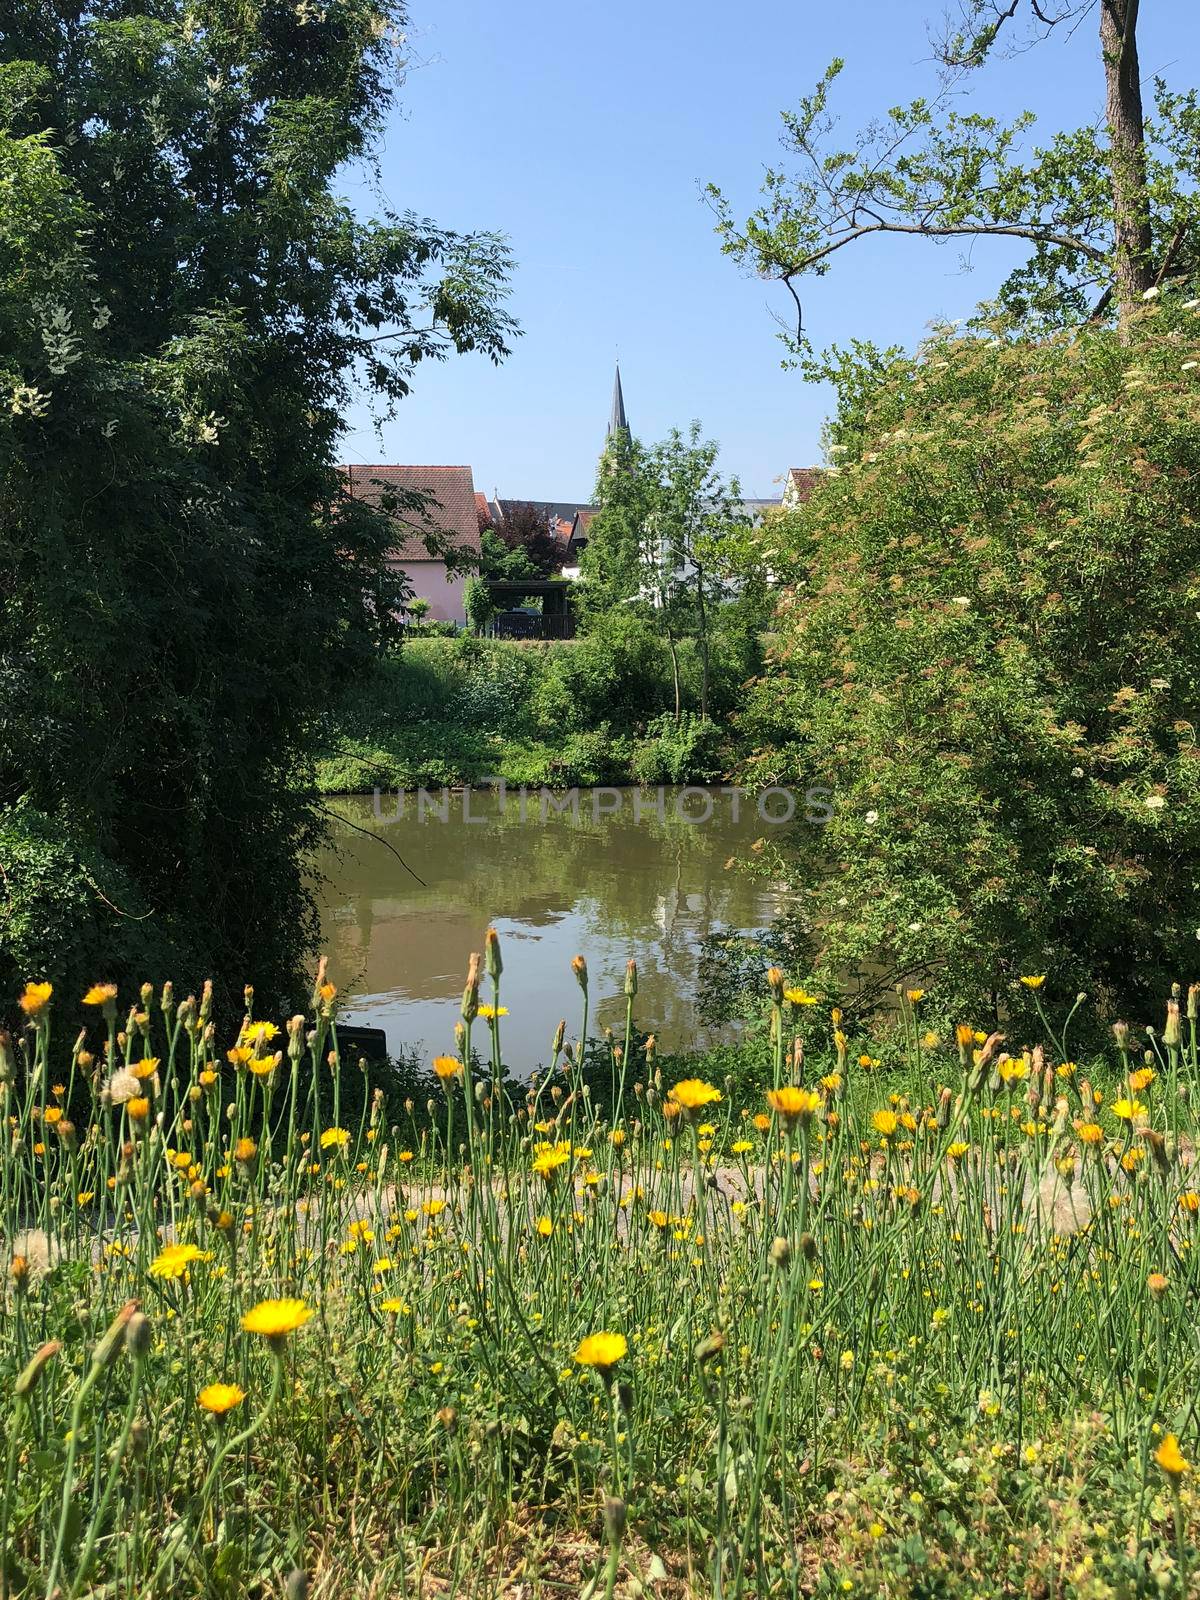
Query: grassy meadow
918	1330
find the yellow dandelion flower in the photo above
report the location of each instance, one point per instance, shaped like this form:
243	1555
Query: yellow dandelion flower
100	994
335	1139
1034	982
1171	1460
601	1350
220	1398
547	1162
801	997
793	1105
447	1067
35	998
885	1122
1128	1110
275	1319
693	1094
174	1260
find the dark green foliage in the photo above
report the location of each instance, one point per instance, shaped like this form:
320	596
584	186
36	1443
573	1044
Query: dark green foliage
185	309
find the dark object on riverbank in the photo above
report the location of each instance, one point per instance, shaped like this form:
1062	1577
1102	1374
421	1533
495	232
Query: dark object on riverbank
369	1042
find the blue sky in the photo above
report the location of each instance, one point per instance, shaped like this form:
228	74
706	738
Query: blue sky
584	132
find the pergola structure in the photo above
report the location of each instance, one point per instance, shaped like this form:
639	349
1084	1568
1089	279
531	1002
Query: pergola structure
557	620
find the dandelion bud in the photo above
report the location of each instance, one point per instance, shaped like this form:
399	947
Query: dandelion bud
709	1349
775	982
66	1133
138	1334
1157	1285
448	1417
579	968
631	978
1172	1033
945	1100
780	1252
431	1107
614	1519
139	1438
1157	1146
493	964
409	1108
1121	1035
106	1351
470	999
1193	1001
808	1247
7	1069
31	1372
19	1269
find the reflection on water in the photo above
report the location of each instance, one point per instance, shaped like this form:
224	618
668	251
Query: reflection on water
608	887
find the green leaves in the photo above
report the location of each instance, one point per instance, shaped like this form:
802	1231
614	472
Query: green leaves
186	309
989	650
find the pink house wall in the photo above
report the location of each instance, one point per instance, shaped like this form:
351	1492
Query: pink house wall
430	581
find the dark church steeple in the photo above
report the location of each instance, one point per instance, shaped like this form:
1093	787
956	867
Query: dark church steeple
617	422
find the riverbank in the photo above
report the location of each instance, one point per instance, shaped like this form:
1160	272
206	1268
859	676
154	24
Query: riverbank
595	710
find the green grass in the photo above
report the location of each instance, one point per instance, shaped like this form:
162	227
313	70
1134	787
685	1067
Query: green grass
910	1345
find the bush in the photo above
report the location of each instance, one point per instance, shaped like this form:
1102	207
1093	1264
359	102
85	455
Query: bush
992	652
69	912
618	673
687	751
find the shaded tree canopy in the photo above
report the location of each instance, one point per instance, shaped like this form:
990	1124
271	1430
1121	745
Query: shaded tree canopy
186	308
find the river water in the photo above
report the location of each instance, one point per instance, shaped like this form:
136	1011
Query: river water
613	876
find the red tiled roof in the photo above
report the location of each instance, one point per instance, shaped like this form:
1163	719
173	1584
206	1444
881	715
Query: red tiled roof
482	508
801	481
454	516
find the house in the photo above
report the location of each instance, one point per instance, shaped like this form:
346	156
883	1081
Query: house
799	485
428	541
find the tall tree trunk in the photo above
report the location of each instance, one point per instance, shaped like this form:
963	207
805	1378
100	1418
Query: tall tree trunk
1132	270
674	670
702	619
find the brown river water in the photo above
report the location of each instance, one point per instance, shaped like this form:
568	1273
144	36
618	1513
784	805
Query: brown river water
610	878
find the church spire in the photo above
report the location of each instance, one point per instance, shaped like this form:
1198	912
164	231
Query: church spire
617	422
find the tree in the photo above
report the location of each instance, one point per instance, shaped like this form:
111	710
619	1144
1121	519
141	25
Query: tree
185	309
1109	215
477	603
659	540
989	648
523	544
